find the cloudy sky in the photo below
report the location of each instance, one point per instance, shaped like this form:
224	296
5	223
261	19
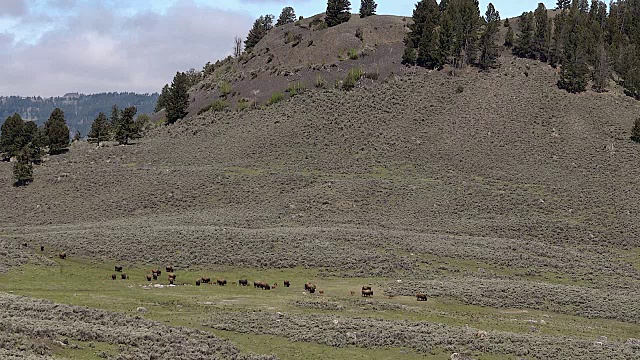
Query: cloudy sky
51	47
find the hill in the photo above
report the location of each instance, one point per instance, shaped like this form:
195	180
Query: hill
80	110
509	203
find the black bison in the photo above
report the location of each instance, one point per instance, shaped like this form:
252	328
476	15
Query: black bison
221	282
148	277
155	276
287	283
171	276
367	293
118	268
243	282
171	281
366	288
169	269
421	297
113	276
124	276
41	248
197	282
62	255
205	280
266	286
157	271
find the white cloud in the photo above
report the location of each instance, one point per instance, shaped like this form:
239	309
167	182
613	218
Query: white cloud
101	50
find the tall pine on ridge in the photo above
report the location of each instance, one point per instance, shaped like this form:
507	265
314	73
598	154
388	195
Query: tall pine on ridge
57	132
338	12
488	47
178	100
367	8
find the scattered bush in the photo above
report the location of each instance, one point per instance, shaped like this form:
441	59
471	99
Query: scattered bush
225	89
373	75
459	89
219	105
360	34
635	132
352	78
320	82
296	88
353	54
276	97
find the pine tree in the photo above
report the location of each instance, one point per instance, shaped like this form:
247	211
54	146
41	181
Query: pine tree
635	132
57	132
426	14
563	4
22	168
12	136
443	5
465	20
574	72
162	99
524	46
114	118
367	8
99	129
508	38
488	48
178	100
409	56
125	128
261	26
287	16
541	34
428	54
338	12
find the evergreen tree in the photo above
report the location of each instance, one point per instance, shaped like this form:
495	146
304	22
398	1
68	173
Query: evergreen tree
22	168
635	132
425	15
488	48
541	34
465	20
574	72
30	132
114	118
287	16
563	4
162	99
125	128
12	136
99	129
178	100
37	145
57	132
338	12
524	46
409	56
508	38
367	8
555	53
428	54
261	26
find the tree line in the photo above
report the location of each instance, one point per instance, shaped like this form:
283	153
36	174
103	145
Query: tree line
28	143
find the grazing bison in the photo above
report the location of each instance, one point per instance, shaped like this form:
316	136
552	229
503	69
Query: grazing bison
311	288
124	276
171	281
148	277
171	276
367	293
118	268
197	282
157	271
243	282
169	269
221	282
321	292
113	276
287	283
421	297
62	255
205	280
353	293
366	288
266	286
155	276
41	248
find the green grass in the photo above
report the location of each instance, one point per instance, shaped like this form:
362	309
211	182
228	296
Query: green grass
352	78
353	54
225	88
84	350
276	97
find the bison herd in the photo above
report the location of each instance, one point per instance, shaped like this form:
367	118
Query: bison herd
367	291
